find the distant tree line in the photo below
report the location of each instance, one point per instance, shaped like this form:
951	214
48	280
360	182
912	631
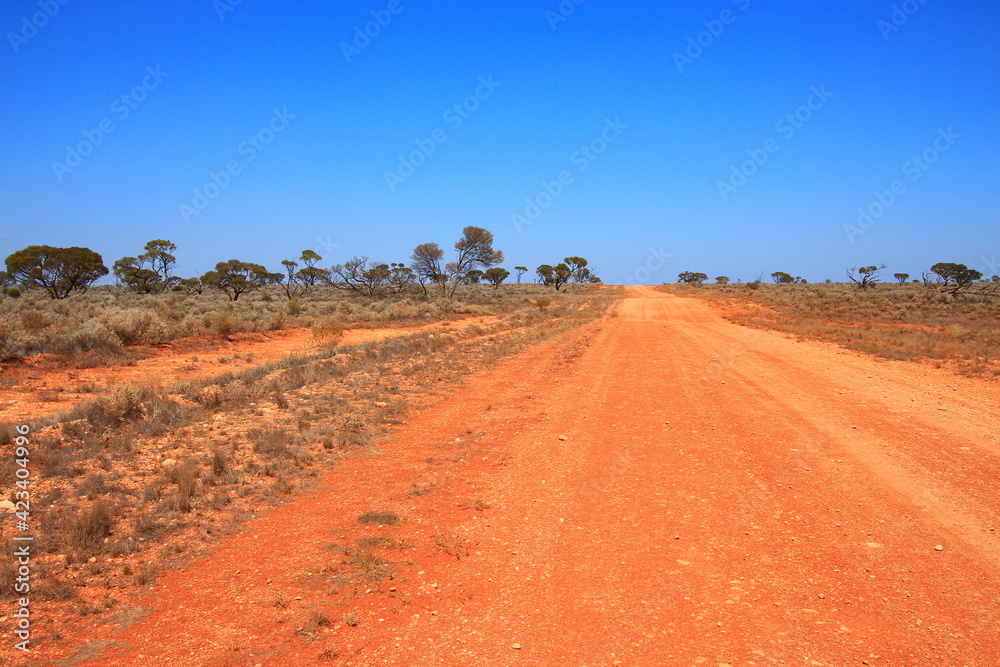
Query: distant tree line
947	277
61	272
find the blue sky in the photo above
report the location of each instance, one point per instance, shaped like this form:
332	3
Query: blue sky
653	134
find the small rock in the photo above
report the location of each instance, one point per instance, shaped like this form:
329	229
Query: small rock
563	437
6	506
939	548
381	404
168	463
516	646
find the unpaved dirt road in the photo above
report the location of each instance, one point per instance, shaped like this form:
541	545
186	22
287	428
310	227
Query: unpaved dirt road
658	488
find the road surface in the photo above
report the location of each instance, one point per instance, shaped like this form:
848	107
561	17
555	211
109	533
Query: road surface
661	487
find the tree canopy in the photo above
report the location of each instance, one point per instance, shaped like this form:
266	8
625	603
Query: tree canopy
236	278
59	271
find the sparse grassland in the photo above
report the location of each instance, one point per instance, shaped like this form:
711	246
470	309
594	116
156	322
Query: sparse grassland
145	476
109	325
908	321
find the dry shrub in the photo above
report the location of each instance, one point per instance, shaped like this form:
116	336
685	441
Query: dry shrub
120	403
136	327
272	442
8	339
210	396
382	518
34	320
87	529
224	325
220	462
327	335
92	336
186	478
162	414
348	440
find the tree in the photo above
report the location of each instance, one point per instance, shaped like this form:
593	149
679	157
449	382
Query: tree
958	275
400	277
475	250
131	272
782	278
150	271
865	277
290	282
59	271
495	276
561	274
158	255
310	275
691	278
191	285
901	277
578	268
369	279
236	278
722	280
473	277
521	270
426	265
546	274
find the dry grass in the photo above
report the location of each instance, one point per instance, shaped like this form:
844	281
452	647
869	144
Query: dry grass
144	477
906	322
382	518
100	327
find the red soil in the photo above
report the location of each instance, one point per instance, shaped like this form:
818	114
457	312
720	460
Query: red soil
42	386
657	488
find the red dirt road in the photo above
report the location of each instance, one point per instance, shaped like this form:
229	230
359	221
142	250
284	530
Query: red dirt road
723	496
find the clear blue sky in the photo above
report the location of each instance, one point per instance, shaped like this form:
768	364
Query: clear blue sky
677	126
